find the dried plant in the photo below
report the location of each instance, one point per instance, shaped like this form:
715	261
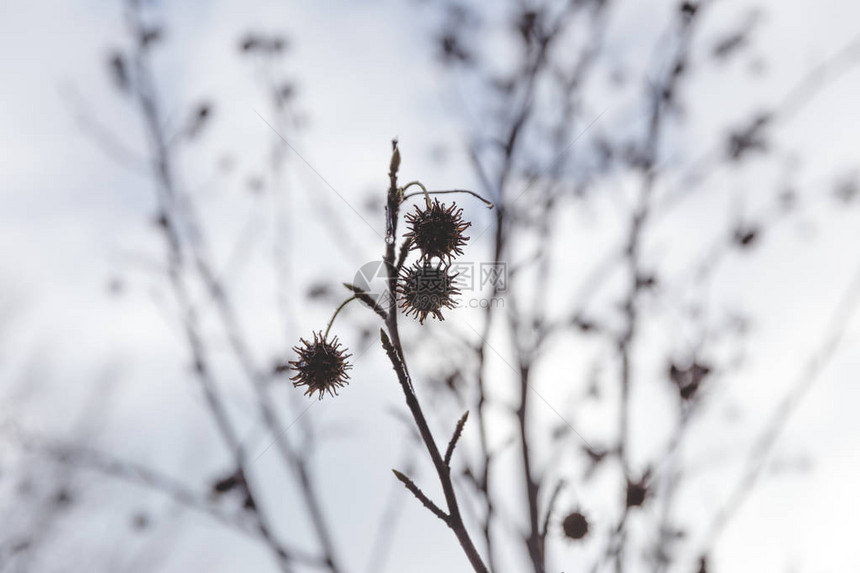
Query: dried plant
425	289
527	475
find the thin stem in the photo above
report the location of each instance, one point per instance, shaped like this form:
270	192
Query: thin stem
343	304
394	350
453	518
633	262
182	257
168	203
423	191
481	198
421	496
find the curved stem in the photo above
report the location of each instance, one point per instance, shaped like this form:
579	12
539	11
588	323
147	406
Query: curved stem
330	322
481	198
423	190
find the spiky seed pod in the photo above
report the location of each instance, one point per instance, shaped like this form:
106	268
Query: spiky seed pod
575	526
426	289
437	231
321	366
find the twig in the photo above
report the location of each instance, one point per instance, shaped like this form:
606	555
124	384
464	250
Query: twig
550	505
416	491
454	520
453	443
367	299
404	252
171	218
632	256
394	350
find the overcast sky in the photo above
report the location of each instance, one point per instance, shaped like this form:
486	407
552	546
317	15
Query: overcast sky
75	216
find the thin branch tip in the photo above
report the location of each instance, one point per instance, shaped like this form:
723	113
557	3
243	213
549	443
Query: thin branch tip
420	496
458	431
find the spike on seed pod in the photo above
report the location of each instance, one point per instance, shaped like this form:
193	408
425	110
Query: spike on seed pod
437	231
426	289
321	366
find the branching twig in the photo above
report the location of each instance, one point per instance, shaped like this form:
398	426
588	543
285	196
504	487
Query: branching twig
176	214
393	348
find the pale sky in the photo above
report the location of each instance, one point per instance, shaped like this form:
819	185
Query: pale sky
73	218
